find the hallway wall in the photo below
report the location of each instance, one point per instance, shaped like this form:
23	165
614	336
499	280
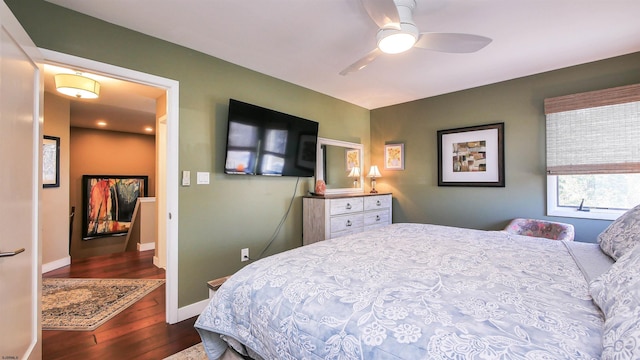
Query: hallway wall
100	152
55	200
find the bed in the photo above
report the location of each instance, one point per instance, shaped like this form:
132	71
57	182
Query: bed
418	291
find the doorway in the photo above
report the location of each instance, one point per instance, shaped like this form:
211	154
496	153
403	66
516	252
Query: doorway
167	185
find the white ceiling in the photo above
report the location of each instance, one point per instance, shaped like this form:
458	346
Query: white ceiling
308	42
124	106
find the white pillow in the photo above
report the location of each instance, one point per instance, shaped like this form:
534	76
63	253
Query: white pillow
622	234
617	293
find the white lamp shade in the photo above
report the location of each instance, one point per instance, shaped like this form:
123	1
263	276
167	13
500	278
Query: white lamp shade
374	172
77	86
355	172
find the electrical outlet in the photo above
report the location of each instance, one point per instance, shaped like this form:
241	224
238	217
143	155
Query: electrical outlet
244	254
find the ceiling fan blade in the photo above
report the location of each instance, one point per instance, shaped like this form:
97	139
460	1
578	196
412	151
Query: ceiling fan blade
452	42
383	12
362	63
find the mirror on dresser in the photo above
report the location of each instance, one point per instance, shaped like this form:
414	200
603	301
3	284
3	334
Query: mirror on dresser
335	162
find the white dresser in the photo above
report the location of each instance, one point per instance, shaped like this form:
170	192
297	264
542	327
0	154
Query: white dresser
331	216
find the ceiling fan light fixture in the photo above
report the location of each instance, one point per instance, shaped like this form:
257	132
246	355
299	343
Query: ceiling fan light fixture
392	41
77	86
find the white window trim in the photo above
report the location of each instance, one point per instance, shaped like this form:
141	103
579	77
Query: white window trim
564	211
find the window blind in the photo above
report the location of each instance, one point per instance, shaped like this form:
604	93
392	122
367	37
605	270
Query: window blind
594	133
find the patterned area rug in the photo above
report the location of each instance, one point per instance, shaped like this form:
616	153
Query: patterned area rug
196	352
85	304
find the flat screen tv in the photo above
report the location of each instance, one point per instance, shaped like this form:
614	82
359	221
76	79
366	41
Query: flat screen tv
267	142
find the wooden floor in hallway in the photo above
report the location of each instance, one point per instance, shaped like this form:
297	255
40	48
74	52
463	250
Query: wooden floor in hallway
139	332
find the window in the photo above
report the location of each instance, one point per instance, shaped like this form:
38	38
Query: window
602	196
593	153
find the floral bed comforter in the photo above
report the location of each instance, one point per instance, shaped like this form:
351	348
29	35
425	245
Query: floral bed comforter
410	291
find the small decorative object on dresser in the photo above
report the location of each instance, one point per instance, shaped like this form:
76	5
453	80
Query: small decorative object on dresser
338	215
321	187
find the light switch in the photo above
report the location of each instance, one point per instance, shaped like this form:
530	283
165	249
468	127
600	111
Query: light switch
203	178
186	178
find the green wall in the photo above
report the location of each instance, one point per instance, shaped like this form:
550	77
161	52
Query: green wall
215	221
519	104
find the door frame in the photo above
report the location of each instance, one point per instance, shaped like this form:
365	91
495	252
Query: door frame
16	34
172	142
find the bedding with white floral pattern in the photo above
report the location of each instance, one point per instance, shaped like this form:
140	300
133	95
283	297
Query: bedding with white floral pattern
617	293
410	291
622	235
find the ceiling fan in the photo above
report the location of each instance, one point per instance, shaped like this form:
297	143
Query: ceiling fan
398	33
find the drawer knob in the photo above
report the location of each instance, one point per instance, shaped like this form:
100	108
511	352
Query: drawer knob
348	206
378	203
377	217
348	222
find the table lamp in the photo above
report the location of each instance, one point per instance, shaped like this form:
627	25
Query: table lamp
373	174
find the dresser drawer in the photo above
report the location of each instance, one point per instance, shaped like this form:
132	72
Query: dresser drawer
338	234
332	216
377	218
346	206
342	223
377	202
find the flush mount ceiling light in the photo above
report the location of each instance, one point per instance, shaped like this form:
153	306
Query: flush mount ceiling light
77	85
392	41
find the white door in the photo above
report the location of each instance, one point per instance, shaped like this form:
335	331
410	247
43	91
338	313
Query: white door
20	186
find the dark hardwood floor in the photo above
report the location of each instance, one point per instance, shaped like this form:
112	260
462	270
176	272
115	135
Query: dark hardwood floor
139	332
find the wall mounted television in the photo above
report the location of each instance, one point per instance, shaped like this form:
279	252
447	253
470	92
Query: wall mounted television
261	141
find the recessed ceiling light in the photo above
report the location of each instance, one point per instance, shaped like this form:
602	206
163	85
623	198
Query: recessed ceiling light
148	129
102	123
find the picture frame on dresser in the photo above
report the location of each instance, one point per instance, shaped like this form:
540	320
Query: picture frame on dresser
471	156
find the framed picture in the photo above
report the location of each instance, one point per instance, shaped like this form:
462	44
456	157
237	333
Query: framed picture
50	161
394	157
352	158
108	202
471	156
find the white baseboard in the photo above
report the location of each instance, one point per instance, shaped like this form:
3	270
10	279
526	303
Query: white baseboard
192	310
57	264
156	262
146	246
